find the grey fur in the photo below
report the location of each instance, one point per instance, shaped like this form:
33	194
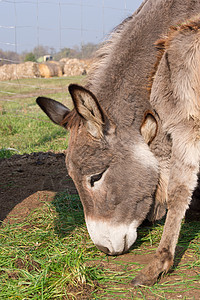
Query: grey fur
116	173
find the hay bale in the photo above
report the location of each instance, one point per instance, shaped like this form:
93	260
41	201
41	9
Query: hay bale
45	71
75	67
27	70
64	60
62	63
58	69
50	69
6	72
18	71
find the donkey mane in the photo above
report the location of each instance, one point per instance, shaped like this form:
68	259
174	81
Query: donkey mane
162	44
73	119
105	51
103	54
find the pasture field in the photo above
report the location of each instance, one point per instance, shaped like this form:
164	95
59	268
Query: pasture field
45	250
23	125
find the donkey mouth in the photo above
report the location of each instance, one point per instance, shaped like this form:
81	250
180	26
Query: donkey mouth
112	239
103	249
111	251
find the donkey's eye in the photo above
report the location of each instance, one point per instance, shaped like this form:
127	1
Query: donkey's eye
95	178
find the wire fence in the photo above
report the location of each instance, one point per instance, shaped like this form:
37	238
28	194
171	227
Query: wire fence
58	23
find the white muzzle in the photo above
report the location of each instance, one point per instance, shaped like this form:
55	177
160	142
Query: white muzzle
112	239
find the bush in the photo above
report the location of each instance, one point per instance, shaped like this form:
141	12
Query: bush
30	57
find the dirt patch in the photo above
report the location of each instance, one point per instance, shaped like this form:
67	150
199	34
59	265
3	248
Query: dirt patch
84	291
26	181
45	91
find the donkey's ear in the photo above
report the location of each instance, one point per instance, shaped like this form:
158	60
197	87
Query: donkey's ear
149	127
88	107
55	110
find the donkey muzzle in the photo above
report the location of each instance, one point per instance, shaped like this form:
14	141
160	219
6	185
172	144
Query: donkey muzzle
111	238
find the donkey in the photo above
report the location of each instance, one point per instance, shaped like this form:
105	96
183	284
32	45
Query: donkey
121	144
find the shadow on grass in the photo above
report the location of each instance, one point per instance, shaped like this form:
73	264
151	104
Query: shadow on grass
70	213
189	231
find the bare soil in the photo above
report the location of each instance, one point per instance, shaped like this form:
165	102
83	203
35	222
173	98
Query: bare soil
27	180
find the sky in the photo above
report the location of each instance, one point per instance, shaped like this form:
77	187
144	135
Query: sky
25	24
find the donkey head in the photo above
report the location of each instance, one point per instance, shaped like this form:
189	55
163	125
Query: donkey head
112	167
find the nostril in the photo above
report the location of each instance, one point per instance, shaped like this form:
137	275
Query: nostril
103	249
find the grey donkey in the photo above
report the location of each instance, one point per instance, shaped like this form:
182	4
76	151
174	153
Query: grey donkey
122	153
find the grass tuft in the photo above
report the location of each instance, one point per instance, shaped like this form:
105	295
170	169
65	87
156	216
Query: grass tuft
7	153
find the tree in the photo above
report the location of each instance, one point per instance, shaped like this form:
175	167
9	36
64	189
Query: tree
30	57
66	52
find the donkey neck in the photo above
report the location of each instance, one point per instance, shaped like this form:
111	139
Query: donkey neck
120	77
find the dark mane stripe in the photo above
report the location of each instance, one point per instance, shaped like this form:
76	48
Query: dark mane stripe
160	46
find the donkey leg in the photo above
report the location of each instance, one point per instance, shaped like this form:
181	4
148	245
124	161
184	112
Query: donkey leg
183	179
163	258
